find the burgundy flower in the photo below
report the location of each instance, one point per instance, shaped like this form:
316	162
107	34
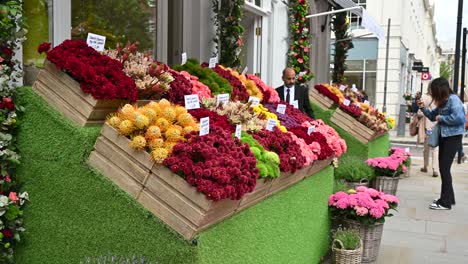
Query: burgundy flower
7	233
44	47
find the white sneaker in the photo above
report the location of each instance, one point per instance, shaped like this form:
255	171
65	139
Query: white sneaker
436	206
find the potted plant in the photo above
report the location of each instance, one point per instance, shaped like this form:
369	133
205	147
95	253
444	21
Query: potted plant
354	172
389	169
364	210
347	247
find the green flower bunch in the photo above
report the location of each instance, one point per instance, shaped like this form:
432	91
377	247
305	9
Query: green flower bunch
216	83
267	161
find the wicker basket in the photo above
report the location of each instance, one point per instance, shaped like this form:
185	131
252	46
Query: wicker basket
371	236
354	185
388	185
344	256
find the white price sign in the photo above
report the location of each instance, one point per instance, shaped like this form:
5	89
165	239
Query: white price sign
366	102
245	70
311	130
254	100
192	101
281	109
342	87
271	123
238	131
96	41
346	102
213	62
354	89
222	99
204	126
295	103
184	58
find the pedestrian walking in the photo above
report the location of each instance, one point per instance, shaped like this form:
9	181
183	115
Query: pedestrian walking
425	127
450	117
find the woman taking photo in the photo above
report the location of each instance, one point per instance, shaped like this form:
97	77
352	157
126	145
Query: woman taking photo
450	117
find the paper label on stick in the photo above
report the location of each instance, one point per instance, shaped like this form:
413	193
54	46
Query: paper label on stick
346	102
245	70
342	87
222	98
366	102
213	62
254	100
295	103
311	130
184	58
238	131
192	101
281	109
204	126
271	123
96	41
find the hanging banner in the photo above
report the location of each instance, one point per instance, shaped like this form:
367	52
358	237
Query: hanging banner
369	23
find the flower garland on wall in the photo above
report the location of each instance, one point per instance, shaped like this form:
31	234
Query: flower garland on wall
299	39
227	19
12	31
340	26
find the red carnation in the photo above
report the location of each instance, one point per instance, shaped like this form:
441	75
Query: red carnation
44	47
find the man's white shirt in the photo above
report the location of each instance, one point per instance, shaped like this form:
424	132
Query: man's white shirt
291	94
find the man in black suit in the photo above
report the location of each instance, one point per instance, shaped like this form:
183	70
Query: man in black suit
292	91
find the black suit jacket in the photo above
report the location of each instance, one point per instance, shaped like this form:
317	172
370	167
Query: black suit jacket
301	94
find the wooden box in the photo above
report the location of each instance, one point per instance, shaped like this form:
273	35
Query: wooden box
64	94
320	100
353	126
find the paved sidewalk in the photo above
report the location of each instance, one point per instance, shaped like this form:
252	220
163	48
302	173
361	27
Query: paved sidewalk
417	234
407	139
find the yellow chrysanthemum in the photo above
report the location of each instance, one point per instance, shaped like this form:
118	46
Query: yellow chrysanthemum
114	121
162	123
169	114
185	119
138	142
155	143
159	154
126	127
172	134
141	121
164	103
153	132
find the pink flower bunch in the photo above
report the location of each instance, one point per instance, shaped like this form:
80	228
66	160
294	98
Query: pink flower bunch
197	87
218	165
333	138
394	165
366	205
270	95
310	152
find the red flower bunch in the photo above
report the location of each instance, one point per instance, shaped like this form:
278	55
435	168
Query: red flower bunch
216	120
352	109
97	74
325	150
44	47
291	158
180	87
297	114
326	92
216	164
239	92
270	95
7	103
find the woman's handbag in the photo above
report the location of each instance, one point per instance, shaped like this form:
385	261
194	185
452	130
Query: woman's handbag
433	140
413	126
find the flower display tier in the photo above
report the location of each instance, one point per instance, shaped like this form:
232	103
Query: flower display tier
353	126
64	94
169	196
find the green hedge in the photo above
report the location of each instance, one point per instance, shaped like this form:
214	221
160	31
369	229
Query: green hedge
75	212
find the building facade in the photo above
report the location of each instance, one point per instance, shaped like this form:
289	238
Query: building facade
412	41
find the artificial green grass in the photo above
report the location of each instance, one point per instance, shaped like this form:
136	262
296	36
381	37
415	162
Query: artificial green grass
35	12
376	148
76	213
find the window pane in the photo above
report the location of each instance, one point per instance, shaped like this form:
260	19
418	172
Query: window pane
371	82
258	3
354	78
355	65
118	20
371	65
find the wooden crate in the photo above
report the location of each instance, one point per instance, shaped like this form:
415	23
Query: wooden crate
169	196
318	166
65	95
128	168
320	100
353	126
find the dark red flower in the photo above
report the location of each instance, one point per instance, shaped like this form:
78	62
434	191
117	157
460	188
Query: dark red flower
7	233
44	47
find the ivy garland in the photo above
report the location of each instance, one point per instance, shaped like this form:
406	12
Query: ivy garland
299	40
340	26
12	34
227	19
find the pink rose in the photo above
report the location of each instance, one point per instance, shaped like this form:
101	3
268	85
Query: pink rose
13	197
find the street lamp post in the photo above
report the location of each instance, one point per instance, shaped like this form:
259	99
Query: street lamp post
462	88
457	46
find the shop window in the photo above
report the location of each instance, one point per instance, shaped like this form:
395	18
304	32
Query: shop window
119	21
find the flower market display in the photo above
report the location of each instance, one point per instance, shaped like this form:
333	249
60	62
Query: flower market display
97	74
239	91
356	107
12	198
269	93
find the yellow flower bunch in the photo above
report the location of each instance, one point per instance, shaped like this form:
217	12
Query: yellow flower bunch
252	88
391	122
156	127
336	91
263	112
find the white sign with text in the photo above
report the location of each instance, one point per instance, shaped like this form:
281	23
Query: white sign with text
192	101
254	100
96	41
238	131
346	102
204	126
311	130
271	123
222	99
295	103
281	109
213	62
184	58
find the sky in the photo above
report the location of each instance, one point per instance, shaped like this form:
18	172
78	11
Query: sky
445	16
